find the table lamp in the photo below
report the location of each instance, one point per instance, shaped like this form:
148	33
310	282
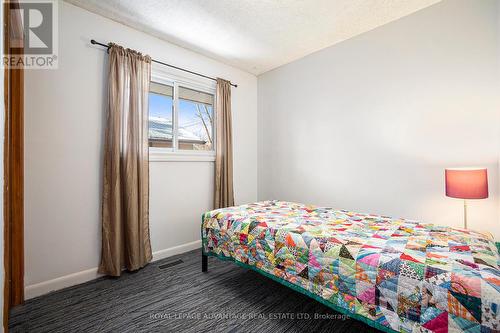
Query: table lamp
466	183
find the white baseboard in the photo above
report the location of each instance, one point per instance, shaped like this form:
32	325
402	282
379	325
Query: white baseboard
172	251
65	281
69	280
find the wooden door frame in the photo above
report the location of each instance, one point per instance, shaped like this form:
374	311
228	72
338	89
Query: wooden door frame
13	168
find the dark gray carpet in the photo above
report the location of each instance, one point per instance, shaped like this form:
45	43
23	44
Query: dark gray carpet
180	298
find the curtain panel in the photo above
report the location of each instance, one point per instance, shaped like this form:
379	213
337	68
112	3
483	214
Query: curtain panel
224	194
125	198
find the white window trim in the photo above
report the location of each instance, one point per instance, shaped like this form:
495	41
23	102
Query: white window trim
167	155
165	76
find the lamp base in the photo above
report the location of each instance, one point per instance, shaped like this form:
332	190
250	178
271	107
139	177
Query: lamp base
465	214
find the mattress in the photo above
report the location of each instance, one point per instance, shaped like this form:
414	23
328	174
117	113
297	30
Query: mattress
394	274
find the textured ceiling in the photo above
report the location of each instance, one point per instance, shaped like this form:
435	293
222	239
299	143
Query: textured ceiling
254	35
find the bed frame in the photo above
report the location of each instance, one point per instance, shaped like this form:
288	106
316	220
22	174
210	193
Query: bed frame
204	262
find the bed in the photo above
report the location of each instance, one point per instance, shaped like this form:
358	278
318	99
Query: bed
394	274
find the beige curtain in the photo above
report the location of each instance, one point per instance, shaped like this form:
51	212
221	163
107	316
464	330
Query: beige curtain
224	196
125	198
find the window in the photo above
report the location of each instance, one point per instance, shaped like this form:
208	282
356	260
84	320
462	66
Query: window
161	107
195	120
181	118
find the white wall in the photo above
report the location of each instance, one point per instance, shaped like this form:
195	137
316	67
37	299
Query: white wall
63	155
370	124
498	74
2	121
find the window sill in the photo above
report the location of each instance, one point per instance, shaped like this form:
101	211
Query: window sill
169	156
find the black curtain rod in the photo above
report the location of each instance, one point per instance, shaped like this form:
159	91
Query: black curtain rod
93	41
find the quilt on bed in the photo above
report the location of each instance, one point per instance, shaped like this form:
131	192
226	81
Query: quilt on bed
393	273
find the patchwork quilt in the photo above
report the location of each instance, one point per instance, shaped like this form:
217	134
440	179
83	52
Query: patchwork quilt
394	274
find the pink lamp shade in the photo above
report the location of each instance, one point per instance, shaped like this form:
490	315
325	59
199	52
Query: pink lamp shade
467	183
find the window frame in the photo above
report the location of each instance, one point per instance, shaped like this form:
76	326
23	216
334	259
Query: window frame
158	154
